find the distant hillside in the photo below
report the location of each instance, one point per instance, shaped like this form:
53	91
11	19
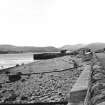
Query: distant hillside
96	46
17	49
93	46
4	49
72	47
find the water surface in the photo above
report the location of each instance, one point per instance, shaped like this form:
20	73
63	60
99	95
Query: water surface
9	60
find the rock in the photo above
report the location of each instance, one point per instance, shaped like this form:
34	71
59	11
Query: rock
99	76
0	86
102	103
13	78
24	98
7	72
11	98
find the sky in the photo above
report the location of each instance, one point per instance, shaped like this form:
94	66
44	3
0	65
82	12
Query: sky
51	22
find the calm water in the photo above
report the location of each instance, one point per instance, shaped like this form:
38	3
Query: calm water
8	60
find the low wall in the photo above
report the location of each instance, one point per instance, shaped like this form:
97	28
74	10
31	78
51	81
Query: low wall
77	96
79	90
47	55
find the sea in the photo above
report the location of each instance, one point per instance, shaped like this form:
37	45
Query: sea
10	60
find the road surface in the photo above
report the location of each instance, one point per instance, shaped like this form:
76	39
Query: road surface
79	90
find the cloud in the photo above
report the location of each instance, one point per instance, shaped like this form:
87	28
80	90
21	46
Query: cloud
51	22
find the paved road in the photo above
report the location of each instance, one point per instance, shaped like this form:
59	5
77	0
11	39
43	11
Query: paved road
82	82
79	90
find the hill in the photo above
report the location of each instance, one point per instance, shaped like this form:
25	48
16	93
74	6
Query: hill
72	47
93	46
96	46
18	49
4	49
